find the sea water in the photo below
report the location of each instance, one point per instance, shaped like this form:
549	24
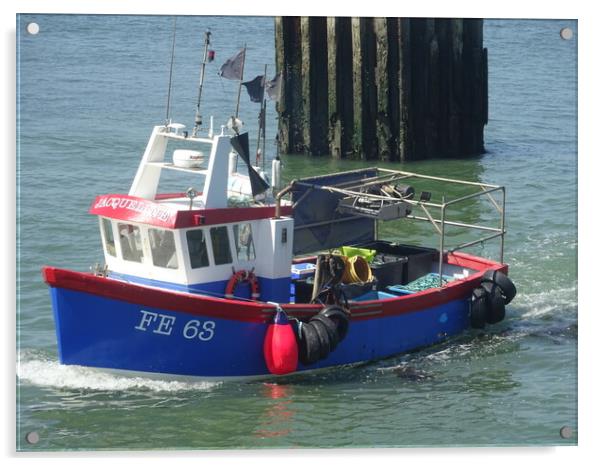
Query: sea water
90	88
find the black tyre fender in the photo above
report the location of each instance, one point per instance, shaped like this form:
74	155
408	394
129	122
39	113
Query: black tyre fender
478	308
340	317
322	333
309	348
501	280
496	304
331	328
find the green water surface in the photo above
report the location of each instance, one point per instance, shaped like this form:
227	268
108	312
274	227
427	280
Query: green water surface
90	89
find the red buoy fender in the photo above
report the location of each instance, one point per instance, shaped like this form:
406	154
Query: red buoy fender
243	276
280	346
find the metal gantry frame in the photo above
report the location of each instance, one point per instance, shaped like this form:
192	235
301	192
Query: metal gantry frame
384	176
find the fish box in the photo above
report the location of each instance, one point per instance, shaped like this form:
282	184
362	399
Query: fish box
371	295
302	270
419	259
389	269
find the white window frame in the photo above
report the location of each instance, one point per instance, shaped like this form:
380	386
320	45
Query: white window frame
186	253
104	238
234	252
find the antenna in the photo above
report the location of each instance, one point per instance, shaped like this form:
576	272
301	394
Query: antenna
173	52
197	118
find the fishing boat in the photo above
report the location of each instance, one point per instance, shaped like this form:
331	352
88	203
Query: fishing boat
193	283
241	278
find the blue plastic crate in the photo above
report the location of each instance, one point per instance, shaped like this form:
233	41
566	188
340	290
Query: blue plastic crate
398	290
302	270
374	295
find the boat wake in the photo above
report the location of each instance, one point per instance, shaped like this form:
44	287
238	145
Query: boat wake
556	302
37	370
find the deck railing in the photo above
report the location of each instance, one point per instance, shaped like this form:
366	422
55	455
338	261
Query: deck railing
425	205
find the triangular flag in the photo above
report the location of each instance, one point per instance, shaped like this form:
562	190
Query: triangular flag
240	143
255	88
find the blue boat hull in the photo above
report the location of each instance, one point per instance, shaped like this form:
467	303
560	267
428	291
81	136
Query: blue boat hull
100	331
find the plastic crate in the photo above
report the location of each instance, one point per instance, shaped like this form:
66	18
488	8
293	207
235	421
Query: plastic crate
419	259
398	290
389	269
353	290
371	295
302	270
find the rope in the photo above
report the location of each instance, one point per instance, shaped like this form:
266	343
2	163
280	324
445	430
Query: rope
356	270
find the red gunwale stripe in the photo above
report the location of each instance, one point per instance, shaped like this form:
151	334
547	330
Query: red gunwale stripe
153	297
201	305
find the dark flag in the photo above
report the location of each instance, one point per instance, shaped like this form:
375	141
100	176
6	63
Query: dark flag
273	87
255	89
232	69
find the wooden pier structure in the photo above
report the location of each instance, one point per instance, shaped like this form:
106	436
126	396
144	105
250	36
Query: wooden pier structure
389	89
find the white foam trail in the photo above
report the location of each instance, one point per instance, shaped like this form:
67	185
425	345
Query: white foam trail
552	301
52	374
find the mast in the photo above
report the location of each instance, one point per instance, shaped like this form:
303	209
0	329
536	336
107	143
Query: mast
242	72
261	129
263	135
198	120
173	52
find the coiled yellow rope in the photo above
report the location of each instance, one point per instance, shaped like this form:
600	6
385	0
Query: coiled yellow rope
357	270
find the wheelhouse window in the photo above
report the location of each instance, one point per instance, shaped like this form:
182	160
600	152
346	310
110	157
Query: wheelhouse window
243	238
221	245
197	248
107	230
163	248
131	242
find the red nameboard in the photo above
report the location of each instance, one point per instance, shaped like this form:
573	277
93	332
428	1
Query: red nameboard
134	209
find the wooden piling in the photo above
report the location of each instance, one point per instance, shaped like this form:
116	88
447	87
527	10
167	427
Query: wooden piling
334	88
358	88
391	89
381	71
340	87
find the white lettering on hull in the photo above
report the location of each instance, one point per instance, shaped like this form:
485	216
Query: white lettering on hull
194	329
165	325
162	324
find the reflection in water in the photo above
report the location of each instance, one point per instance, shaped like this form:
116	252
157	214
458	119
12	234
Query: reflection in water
277	419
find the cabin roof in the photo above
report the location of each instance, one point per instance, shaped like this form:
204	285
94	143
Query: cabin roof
171	212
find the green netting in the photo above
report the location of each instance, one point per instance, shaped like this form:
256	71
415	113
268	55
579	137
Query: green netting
425	282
